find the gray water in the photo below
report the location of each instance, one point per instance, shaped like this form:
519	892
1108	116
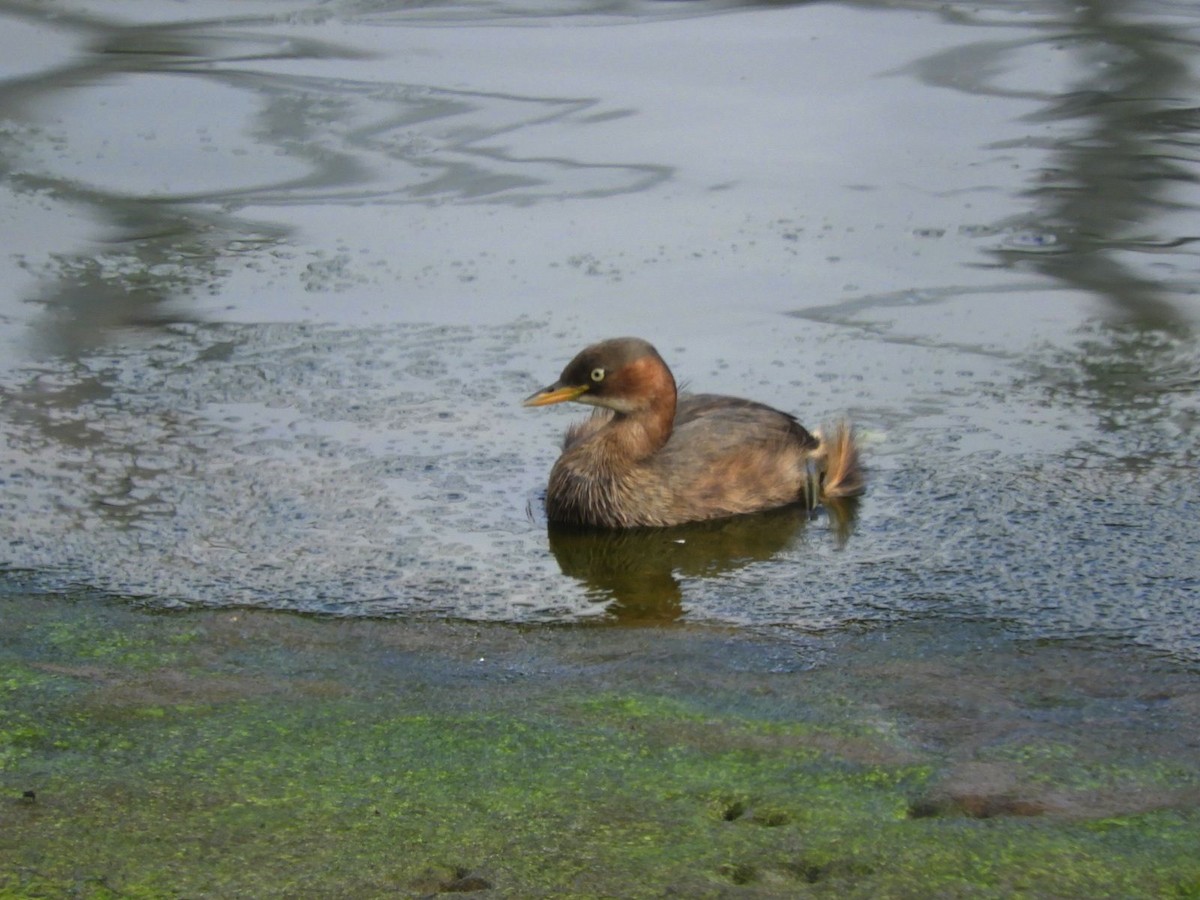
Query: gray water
277	276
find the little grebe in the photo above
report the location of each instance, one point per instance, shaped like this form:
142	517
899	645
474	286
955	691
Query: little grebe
651	457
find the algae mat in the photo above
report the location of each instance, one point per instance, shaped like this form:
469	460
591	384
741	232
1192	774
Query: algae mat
251	754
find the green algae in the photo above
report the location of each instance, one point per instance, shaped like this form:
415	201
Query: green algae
88	638
218	754
19	731
1062	766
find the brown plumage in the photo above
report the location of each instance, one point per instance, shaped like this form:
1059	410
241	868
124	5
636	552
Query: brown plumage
650	457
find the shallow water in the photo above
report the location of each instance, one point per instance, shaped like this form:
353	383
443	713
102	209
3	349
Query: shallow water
278	277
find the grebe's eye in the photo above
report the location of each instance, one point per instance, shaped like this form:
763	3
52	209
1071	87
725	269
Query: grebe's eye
597	374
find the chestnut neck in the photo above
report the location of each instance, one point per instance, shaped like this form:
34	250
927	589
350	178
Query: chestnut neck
644	427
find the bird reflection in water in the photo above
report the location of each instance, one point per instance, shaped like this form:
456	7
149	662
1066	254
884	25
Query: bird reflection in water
638	571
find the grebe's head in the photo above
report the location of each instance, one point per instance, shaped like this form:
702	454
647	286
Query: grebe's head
622	374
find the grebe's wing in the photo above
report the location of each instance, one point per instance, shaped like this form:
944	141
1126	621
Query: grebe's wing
733	420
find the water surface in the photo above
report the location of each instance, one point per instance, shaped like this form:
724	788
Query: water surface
278	276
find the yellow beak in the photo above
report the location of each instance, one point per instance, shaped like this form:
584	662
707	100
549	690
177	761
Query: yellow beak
556	393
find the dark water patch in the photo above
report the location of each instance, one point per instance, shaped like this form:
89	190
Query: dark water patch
389	472
247	460
1139	385
1050	546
